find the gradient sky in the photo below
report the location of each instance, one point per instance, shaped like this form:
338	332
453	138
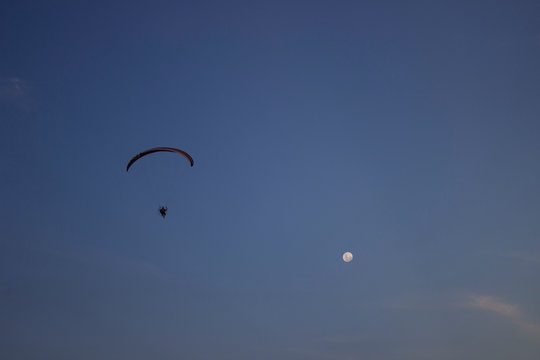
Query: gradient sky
406	132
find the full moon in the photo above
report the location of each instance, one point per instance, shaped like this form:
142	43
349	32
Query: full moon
347	257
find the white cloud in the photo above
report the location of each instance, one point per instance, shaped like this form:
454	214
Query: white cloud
490	304
509	311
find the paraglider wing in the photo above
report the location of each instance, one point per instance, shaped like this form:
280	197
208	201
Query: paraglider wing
157	149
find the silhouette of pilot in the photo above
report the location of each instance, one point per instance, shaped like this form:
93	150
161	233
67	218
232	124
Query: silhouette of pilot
163	211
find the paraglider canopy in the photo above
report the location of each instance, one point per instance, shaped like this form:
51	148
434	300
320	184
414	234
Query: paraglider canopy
157	149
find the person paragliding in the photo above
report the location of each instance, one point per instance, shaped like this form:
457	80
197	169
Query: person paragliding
162	209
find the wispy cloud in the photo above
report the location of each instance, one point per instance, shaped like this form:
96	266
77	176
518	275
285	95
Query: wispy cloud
509	311
343	339
421	301
13	88
490	304
104	259
526	257
310	353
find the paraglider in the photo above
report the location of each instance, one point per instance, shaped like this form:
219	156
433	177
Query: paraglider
162	209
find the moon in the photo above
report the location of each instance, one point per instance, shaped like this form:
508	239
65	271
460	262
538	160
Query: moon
347	257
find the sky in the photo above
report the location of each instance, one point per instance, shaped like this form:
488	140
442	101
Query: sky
405	132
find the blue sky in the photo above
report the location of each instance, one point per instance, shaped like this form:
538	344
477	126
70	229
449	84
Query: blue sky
404	132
